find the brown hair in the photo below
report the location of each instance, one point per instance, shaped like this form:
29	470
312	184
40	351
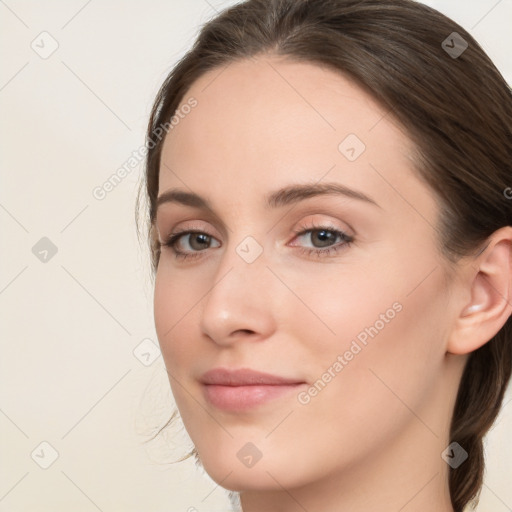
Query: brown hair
456	108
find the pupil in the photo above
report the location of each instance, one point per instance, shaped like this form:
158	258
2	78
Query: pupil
325	236
201	239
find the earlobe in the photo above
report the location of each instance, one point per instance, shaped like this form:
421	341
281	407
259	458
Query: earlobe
490	305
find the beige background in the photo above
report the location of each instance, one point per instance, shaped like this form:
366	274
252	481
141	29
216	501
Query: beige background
70	325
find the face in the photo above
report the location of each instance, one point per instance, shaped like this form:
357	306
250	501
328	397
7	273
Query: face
308	255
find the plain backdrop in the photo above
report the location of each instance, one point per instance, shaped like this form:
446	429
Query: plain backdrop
82	379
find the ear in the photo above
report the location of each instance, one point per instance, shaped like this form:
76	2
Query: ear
489	280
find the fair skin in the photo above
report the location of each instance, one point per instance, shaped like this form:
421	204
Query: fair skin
372	438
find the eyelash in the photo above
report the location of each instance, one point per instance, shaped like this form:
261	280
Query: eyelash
347	240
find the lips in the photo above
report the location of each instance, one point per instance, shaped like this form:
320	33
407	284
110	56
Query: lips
244	377
245	388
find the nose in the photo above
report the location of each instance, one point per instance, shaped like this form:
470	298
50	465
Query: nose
240	303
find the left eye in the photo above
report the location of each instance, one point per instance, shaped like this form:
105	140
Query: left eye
324	237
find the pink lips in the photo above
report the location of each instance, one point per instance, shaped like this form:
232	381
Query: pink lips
244	388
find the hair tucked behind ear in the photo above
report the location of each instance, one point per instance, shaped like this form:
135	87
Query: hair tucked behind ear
478	403
456	109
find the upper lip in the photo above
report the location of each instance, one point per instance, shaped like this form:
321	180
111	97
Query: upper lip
244	377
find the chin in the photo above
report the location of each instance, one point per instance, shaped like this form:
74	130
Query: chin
266	474
245	480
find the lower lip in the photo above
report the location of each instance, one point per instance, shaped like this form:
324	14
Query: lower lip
245	397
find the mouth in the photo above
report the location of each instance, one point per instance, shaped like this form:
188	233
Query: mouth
238	390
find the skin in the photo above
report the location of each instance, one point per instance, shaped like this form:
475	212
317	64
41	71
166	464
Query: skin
372	438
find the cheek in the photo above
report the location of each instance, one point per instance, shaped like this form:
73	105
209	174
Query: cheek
380	333
177	332
174	301
335	305
392	348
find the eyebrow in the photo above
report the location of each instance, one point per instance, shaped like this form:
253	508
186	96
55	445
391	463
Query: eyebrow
282	197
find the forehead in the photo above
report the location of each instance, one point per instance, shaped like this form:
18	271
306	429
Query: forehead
262	123
288	98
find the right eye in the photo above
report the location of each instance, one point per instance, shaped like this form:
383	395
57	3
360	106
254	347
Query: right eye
197	242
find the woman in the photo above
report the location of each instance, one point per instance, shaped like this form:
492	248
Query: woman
331	228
